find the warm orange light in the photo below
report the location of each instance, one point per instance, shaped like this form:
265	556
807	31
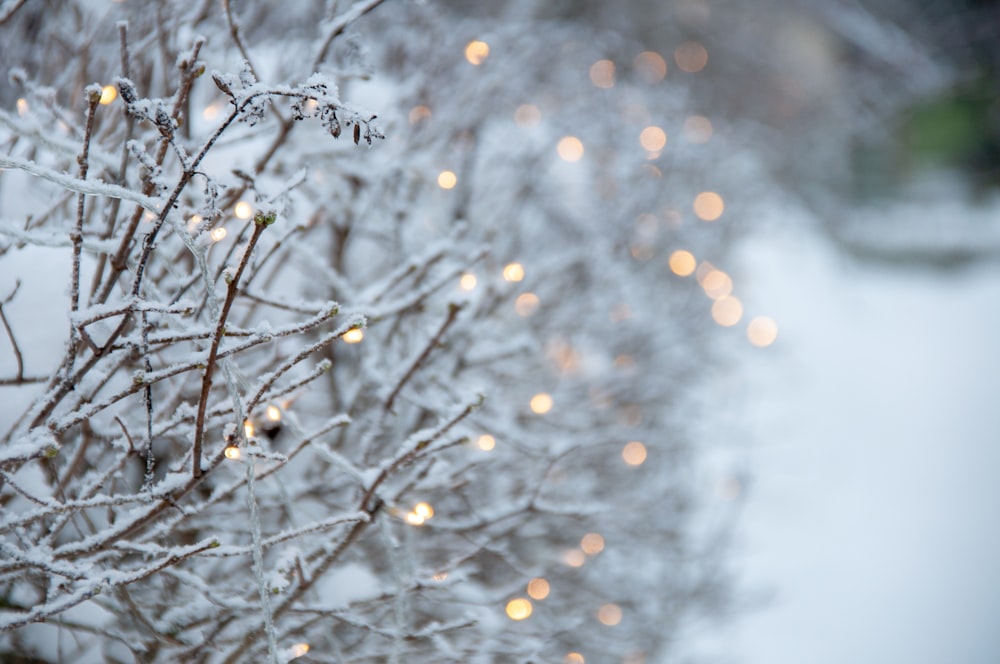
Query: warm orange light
538	588
211	112
486	442
419	113
682	263
592	544
218	234
653	139
248	429
698	129
354	335
232	452
717	284
468	281
634	453
526	304
108	94
243	210
22	106
570	148
650	66
727	311
610	614
414	519
513	272
273	413
299	649
541	403
527	115
708	206
762	331
518	609
447	179
573	658
602	74
476	52
423	510
691	57
574	558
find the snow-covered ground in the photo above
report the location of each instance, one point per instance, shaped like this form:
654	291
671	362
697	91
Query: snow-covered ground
871	519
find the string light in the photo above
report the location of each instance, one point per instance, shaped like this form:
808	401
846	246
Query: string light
513	272
419	515
248	429
518	609
447	179
476	52
298	650
570	148
218	234
610	615
440	576
22	106
653	139
762	331
727	311
717	284
486	442
354	335
634	453
651	66
573	658
541	403
682	263
574	558
538	588
232	452
691	57
708	206
211	112
602	74
108	94
273	413
243	210
526	304
592	544
468	281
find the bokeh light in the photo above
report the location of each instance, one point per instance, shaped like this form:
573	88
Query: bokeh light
486	442
108	94
691	57
610	615
468	281
708	206
354	335
697	129
682	263
418	114
243	210
727	311
573	658
518	609
653	139
717	284
650	66
538	588
574	558
634	453
513	272
447	179
476	52
592	544
527	115
602	74
526	304
570	148
762	331
218	234
541	403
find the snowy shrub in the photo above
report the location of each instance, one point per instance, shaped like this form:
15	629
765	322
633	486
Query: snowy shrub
404	384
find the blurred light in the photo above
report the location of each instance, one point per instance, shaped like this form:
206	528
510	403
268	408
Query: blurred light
486	442
538	588
727	311
232	452
440	576
476	52
634	453
691	57
243	210
610	614
592	544
602	74
108	94
527	115
703	269
248	429
682	263
653	139
697	129
573	658
354	335
311	106
650	66
468	281
423	510
575	558
418	113
273	413
570	148
762	331
518	609
541	403
414	519
299	649
193	222
447	179
513	272
708	206
717	284
22	106
526	304
211	111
